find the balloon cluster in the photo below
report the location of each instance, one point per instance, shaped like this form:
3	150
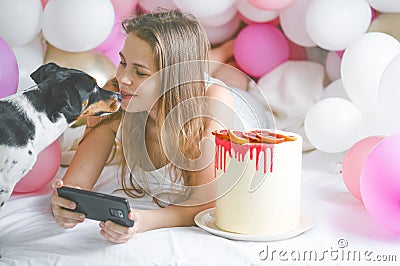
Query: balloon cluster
371	173
78	34
361	55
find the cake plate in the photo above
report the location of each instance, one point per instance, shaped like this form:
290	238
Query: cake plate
206	220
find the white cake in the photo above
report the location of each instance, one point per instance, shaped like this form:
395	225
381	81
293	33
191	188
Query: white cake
258	181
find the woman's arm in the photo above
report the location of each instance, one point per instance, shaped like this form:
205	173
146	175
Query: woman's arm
225	68
93	150
83	172
202	195
91	155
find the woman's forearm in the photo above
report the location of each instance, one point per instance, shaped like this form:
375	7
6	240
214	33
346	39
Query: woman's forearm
90	159
171	216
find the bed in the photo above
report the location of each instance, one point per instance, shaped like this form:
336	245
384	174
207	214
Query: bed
343	233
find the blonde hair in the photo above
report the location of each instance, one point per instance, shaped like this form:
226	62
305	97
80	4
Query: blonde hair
175	38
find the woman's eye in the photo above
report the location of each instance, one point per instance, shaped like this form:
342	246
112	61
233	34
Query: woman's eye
122	63
140	74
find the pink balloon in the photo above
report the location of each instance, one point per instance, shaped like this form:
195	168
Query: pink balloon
44	3
113	44
373	14
45	168
340	53
353	163
113	36
259	48
113	52
8	70
380	183
270	4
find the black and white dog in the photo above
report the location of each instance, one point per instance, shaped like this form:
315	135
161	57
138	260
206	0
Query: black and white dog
33	119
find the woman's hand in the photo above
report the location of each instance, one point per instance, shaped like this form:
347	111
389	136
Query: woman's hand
61	209
120	234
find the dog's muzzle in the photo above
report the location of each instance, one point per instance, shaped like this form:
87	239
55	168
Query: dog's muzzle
118	97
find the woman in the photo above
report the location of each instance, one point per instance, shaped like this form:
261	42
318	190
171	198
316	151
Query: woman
167	116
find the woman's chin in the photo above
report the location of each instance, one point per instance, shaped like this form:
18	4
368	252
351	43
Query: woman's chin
126	105
130	108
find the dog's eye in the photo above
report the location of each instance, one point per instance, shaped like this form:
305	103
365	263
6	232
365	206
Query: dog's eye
85	103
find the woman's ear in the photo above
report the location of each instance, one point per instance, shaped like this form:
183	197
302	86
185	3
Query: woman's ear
44	72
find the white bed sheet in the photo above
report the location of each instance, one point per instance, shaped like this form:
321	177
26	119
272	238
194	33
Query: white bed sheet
30	236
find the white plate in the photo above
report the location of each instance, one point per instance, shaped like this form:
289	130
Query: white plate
206	221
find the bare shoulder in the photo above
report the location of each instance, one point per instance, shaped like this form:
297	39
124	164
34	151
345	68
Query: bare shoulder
219	92
219	97
220	108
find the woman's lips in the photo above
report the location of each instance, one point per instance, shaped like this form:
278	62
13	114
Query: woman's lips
126	95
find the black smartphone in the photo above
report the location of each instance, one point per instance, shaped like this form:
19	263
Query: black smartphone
98	206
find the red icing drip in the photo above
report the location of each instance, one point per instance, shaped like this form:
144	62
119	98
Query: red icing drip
243	142
222	147
240	150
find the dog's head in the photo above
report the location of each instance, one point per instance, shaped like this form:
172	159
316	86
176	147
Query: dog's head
73	93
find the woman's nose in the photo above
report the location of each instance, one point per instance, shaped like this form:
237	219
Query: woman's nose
124	78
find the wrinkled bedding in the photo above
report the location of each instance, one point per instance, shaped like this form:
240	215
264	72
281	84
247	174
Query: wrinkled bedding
30	236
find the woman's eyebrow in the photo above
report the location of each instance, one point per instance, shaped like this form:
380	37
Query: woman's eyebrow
135	64
141	66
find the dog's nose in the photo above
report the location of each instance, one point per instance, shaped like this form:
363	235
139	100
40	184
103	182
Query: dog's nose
119	97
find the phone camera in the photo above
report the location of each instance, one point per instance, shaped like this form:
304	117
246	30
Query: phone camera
117	213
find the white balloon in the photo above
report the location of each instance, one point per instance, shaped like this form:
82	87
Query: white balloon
220	19
205	8
293	22
385	6
333	25
335	89
362	67
20	21
389	95
255	14
332	64
333	125
373	124
222	33
77	25
29	58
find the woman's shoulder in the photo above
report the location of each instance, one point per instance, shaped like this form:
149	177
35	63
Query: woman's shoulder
219	92
220	106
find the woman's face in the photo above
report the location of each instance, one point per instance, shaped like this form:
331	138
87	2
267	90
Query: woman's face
136	66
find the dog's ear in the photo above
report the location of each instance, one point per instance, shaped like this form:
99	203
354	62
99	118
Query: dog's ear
44	72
